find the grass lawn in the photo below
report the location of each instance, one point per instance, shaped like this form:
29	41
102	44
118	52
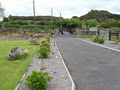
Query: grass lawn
86	36
11	72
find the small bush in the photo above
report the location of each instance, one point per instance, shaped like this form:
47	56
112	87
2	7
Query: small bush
47	37
43	40
100	40
95	38
44	50
38	80
30	35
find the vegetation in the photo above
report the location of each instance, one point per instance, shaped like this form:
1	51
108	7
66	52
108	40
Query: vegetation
98	39
38	18
99	15
69	23
92	22
38	80
44	50
12	71
47	37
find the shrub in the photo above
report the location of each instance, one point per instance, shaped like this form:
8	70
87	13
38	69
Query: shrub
47	37
38	80
112	22
5	19
43	40
100	40
95	38
104	25
30	35
92	22
44	50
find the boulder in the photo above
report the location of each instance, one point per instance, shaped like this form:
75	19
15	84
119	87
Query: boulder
35	41
15	52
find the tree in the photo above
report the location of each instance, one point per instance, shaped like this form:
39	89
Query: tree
5	19
112	22
75	17
92	22
1	11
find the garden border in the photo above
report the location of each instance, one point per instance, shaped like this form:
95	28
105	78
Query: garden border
73	84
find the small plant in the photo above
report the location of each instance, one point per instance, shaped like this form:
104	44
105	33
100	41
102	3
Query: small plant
30	35
101	41
38	80
43	40
95	38
47	37
44	51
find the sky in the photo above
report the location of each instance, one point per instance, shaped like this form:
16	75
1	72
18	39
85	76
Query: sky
67	8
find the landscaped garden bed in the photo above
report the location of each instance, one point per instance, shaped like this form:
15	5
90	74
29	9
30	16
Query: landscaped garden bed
53	64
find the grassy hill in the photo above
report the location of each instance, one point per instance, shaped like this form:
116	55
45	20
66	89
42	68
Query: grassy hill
99	15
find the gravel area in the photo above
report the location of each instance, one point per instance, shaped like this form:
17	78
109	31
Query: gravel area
54	66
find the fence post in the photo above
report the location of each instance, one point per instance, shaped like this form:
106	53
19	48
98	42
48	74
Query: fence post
98	32
109	34
117	35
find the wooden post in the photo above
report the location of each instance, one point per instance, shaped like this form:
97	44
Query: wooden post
52	18
34	13
117	35
60	22
110	35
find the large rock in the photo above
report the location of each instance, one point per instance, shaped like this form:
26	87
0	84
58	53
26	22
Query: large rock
35	41
15	52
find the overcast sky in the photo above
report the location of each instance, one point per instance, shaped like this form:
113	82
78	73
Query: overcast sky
68	8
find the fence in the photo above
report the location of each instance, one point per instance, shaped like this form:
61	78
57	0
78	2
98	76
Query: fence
105	34
85	32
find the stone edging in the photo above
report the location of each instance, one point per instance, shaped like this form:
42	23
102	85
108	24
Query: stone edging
73	84
17	87
106	47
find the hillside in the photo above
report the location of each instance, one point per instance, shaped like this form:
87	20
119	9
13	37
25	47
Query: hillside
99	15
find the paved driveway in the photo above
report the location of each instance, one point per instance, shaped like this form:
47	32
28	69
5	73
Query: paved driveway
92	67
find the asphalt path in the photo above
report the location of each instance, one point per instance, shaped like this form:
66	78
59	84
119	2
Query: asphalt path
91	67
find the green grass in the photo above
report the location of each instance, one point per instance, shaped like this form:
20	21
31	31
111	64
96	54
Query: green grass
12	71
85	36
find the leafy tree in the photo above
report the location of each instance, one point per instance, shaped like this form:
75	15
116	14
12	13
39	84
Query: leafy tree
104	25
5	19
76	17
73	23
92	22
112	22
1	11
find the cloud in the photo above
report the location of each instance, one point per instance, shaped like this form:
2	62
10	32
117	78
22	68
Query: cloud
68	8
